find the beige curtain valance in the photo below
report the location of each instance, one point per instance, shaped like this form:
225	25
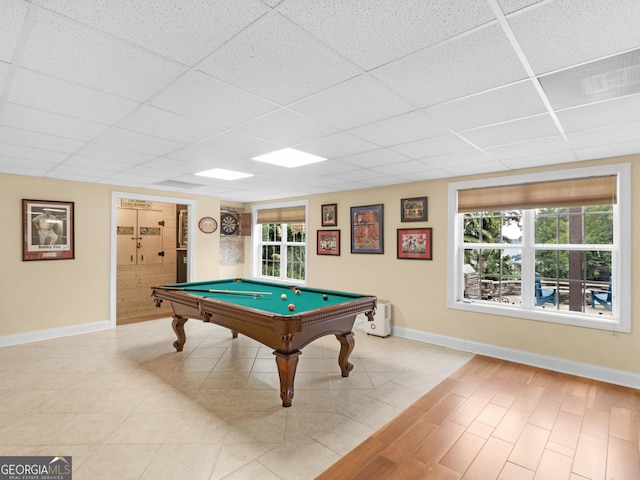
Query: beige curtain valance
560	193
282	215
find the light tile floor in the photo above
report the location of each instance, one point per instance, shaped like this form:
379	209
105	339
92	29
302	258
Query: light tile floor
125	405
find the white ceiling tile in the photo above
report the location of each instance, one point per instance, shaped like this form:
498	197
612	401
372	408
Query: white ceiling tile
160	123
374	158
537	146
425	175
183	31
540	160
476	169
566	32
139	142
25	118
238	145
47	93
200	96
110	165
114	154
71	51
510	6
513	101
277	60
514	131
629	132
20	166
85	173
470	157
611	112
468	64
201	156
386	180
403	168
432	147
12	19
607	151
4	72
286	128
16	136
335	146
29	153
404	128
356	102
377	31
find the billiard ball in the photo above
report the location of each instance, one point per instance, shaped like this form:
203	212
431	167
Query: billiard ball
291	306
297	292
325	297
283	296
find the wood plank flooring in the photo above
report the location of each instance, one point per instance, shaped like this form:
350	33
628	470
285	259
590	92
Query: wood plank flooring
495	419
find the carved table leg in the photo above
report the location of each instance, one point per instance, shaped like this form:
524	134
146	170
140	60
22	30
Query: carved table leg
178	327
347	343
287	364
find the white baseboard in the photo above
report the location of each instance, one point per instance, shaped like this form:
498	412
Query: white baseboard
594	372
18	339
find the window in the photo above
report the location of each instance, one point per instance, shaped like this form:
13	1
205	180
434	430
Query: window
280	242
552	247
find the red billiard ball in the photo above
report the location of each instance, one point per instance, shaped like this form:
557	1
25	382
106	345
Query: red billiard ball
291	306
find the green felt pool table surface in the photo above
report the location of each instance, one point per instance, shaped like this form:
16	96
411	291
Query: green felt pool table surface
256	309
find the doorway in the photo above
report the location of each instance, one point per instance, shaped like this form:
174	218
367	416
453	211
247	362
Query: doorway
146	243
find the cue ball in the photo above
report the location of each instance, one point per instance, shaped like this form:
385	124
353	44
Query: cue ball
291	306
325	296
283	296
297	292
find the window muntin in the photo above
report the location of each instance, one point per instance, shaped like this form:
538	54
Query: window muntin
577	250
281	248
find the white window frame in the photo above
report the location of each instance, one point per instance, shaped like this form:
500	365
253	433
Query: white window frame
619	321
256	258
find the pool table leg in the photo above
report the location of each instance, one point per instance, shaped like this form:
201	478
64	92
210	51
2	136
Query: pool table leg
178	327
287	364
347	343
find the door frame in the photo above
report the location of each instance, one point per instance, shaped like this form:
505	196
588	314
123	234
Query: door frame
113	268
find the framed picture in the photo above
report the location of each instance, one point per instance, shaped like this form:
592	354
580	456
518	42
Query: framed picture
413	209
330	215
367	229
47	230
328	242
415	243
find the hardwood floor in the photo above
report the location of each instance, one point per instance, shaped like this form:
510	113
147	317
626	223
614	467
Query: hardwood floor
495	419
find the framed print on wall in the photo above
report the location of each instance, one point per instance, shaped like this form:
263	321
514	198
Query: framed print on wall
330	215
328	242
413	209
367	229
415	243
47	230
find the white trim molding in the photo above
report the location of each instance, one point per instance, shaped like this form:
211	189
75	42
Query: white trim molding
586	370
51	333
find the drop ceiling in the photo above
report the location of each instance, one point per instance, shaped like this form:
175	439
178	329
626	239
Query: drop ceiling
147	93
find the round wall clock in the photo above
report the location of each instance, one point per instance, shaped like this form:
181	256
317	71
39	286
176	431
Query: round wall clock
207	225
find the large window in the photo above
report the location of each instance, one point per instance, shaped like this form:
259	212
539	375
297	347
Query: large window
552	247
280	242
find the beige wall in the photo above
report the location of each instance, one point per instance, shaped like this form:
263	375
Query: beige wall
42	295
54	294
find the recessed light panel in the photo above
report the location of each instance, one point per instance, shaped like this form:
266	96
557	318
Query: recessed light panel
223	174
289	157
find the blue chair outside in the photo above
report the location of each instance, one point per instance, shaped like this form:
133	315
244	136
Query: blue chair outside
544	295
603	297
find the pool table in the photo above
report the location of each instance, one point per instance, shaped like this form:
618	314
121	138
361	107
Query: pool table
261	310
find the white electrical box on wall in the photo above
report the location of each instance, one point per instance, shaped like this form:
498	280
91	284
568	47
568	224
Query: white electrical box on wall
381	324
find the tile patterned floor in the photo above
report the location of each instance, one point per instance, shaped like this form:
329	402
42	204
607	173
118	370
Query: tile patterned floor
125	405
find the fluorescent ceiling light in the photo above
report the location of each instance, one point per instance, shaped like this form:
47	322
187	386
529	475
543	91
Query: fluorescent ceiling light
289	157
223	174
